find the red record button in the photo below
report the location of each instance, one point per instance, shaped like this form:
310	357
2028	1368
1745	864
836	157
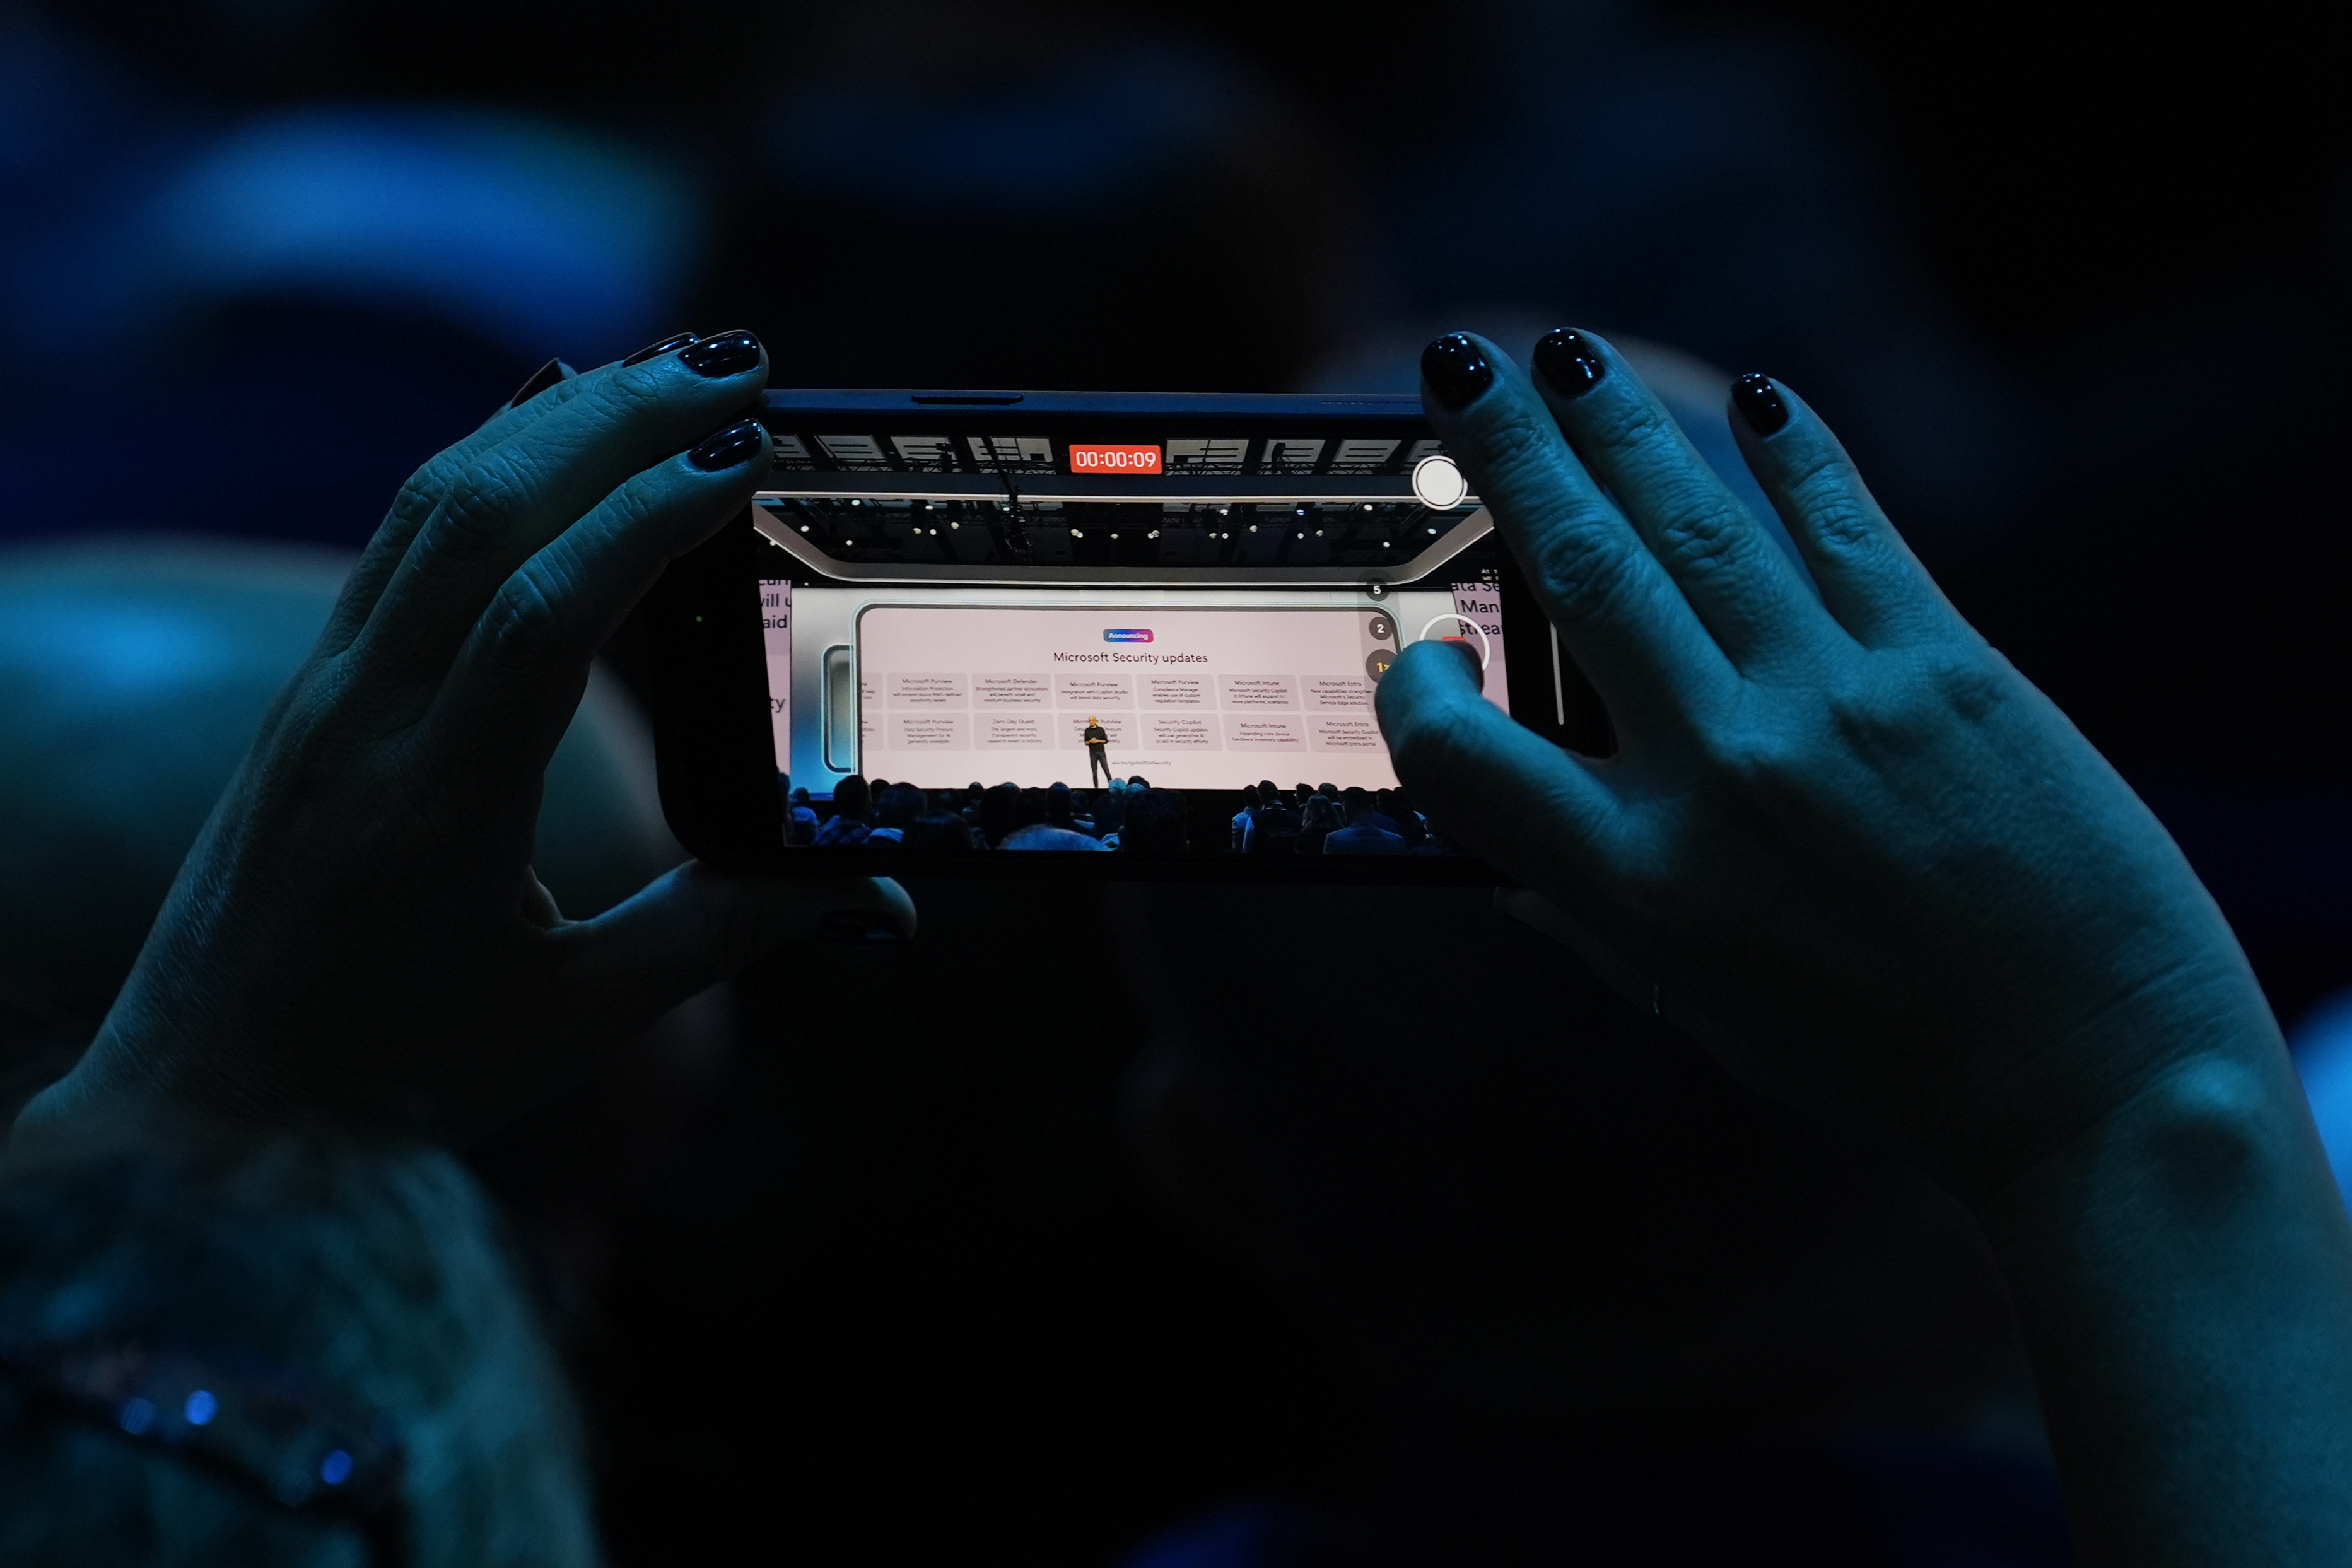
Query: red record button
1114	459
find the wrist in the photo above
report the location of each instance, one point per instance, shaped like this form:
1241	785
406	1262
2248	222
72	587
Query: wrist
125	1081
2185	1147
2182	1272
61	1114
2191	1045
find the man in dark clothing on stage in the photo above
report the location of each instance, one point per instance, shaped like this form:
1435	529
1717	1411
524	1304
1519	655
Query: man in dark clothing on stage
1097	740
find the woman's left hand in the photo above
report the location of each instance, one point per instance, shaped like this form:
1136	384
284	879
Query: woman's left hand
358	934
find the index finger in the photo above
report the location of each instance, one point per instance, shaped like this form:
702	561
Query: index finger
1617	612
510	501
422	491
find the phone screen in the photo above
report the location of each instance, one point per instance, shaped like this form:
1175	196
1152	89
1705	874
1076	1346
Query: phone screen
978	640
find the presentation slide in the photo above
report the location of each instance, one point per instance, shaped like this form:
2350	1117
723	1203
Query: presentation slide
1208	698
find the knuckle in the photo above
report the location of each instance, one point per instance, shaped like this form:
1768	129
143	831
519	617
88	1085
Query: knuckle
1764	760
637	504
1586	571
1869	721
424	489
482	502
1970	689
1890	708
523	620
1826	493
473	512
1435	742
1517	453
1697	537
1625	425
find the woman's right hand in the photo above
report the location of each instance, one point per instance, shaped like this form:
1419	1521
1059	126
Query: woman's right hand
1844	837
1881	876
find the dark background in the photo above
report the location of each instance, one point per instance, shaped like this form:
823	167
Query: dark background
2072	288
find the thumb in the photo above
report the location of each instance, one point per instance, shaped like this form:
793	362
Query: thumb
687	930
1491	783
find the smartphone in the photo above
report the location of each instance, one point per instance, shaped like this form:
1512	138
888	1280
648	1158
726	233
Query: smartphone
1085	635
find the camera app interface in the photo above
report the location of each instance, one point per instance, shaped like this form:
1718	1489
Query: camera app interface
1078	639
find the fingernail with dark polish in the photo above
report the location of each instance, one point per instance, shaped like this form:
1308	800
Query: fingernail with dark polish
542	378
1759	403
729	354
1572	364
653	351
736	443
859	925
1457	370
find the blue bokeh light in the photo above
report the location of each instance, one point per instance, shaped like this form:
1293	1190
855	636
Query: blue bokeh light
200	1407
335	1469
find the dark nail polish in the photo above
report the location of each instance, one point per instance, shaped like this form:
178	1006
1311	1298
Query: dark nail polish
857	925
729	354
651	351
1456	370
1573	365
1759	403
736	443
542	378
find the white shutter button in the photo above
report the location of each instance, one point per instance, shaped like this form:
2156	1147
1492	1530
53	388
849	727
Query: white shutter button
1438	482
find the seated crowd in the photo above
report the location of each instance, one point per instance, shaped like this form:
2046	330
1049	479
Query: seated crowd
1130	817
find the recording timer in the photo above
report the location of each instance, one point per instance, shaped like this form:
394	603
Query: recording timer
1115	459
